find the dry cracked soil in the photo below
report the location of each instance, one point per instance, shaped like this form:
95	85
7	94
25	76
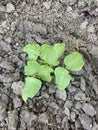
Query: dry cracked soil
74	22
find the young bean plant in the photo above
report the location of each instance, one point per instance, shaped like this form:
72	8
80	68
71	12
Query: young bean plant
44	61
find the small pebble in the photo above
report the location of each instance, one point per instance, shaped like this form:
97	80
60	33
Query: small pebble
17	102
2	8
86	122
17	87
80	96
43	118
66	111
73	116
83	84
47	5
88	109
10	7
61	94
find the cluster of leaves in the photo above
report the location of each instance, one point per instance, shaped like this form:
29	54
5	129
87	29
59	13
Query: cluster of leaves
43	61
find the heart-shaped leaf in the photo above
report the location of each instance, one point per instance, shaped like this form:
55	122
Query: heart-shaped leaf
44	73
74	61
62	77
51	54
31	88
33	51
31	68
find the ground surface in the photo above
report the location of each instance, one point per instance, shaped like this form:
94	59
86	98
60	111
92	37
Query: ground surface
48	21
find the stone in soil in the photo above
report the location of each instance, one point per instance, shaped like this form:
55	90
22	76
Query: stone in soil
80	96
27	118
71	88
10	8
95	85
96	2
68	104
88	109
2	8
83	84
66	111
77	125
73	116
3	108
17	102
95	126
17	87
61	94
85	121
84	24
6	65
45	95
12	120
43	118
53	105
47	4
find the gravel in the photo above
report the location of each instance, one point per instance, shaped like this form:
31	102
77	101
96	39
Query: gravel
17	87
80	96
10	8
61	94
68	104
47	4
71	88
66	111
88	109
73	116
12	120
3	108
2	8
53	105
43	118
27	118
86	122
83	84
6	65
17	102
95	85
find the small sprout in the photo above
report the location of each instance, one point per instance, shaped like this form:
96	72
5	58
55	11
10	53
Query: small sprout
43	61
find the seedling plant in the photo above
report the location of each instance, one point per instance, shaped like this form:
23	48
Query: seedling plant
43	62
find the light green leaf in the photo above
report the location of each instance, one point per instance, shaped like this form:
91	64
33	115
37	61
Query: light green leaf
33	51
44	72
31	88
74	61
31	68
62	77
51	54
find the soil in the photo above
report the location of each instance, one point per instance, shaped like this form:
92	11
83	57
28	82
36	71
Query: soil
48	21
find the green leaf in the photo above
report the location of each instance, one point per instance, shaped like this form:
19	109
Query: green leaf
33	51
74	61
31	68
51	54
44	73
31	88
62	77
